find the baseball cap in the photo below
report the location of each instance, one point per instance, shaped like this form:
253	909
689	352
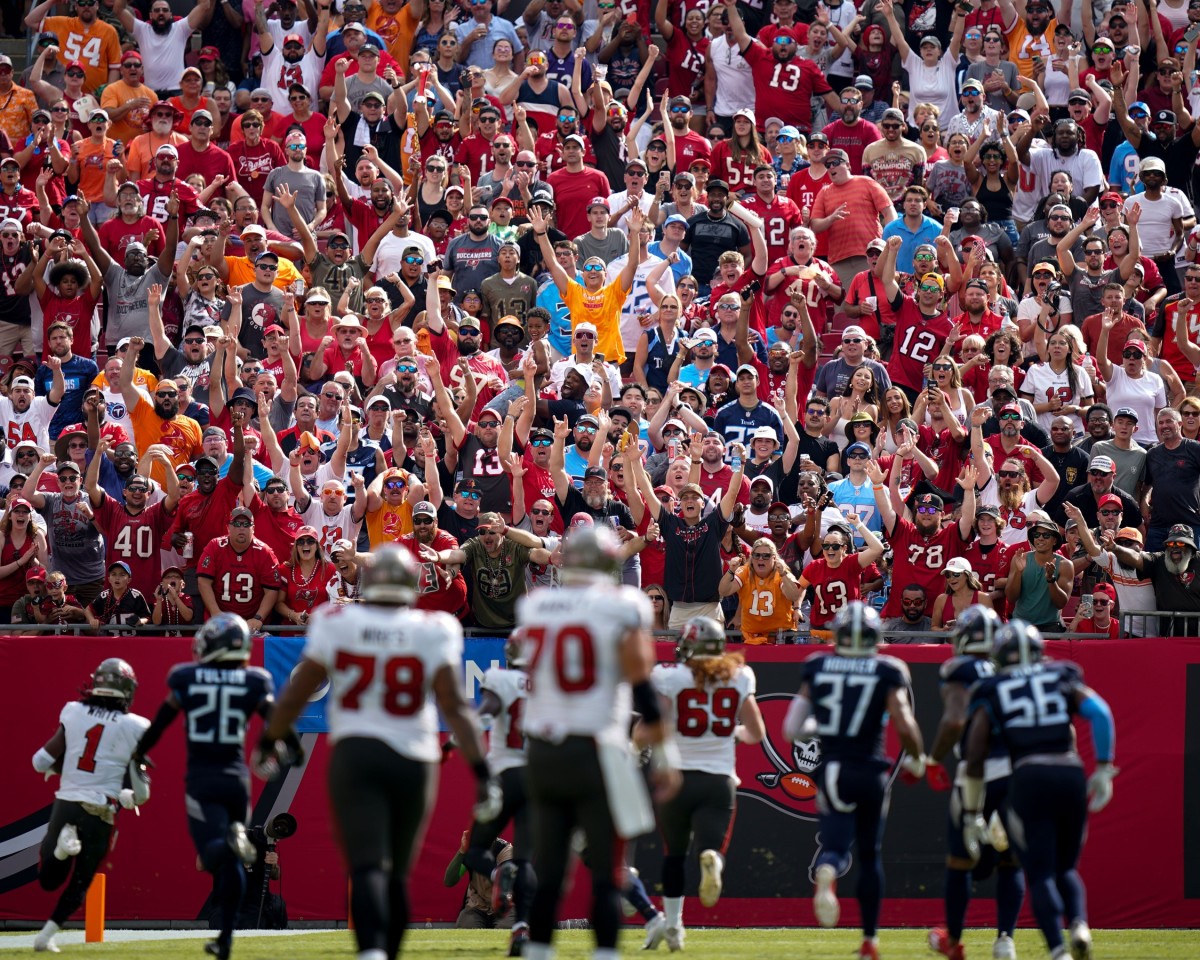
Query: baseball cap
764	433
598	202
341	546
167	149
1121	412
1080	94
854	331
1139	105
595	473
202	115
575	138
705	333
747	368
763	478
237	512
973	85
424	509
1109	498
1105	590
1010	408
1154	164
1102	463
818	136
1136	344
718	185
858	446
1113	196
677	218
927	499
585	327
864	82
1130	533
1164	116
120	565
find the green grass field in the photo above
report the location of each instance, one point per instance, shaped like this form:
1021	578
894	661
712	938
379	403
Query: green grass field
701	945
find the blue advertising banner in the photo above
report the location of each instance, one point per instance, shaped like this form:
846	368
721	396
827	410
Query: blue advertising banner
281	654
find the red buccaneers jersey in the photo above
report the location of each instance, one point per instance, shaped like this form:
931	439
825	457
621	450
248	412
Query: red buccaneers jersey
832	588
991	566
135	538
239	579
20	205
779	217
918	339
276	529
920	560
739	174
155	194
206	517
305	594
431	595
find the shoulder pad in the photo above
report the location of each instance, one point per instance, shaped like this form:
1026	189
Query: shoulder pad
895	663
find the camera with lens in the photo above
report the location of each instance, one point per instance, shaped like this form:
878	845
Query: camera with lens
1053	290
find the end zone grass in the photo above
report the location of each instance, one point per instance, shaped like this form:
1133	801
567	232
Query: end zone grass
725	944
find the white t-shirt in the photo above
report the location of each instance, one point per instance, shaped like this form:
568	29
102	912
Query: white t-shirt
1146	395
1084	168
278	75
735	79
162	56
1042	383
638	301
932	85
1154	228
390	252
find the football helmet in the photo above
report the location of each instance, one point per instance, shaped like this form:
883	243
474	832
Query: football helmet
1018	644
225	637
975	630
114	678
392	577
514	650
857	630
588	552
700	637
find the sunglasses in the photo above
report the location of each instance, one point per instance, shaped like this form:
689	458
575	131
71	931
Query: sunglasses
929	510
477	216
469	495
1010	416
1010	474
538	512
596	267
1040	534
468	331
656	597
591	430
394	485
240	523
422	521
1132	354
584	334
857	455
272	267
201	122
411	259
185	478
543	442
930	288
1110	513
1100	603
833	547
943	366
278	490
835	161
305	541
489	424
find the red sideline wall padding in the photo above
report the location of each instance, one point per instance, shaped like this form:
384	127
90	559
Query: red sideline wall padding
1141	835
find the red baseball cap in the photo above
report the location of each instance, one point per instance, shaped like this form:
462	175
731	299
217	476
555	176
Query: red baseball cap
1108	498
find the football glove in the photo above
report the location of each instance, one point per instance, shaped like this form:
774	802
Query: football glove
997	832
975	834
937	776
489	800
912	769
125	799
1100	788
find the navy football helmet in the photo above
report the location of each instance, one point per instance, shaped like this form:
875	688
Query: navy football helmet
114	678
391	577
975	630
857	630
225	637
1018	644
700	637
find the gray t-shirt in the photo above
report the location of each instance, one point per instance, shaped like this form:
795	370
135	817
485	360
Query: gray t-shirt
899	630
173	364
835	374
309	188
615	244
356	89
472	260
259	311
1087	292
128	313
76	545
980	71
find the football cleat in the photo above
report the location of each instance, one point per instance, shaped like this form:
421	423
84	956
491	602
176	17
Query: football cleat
239	843
656	932
504	877
939	941
711	867
68	844
1081	941
675	938
825	901
627	908
44	941
1004	948
518	939
869	950
214	948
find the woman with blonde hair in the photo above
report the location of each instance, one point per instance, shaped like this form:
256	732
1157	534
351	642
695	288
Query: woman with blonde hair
948	380
893	411
962	590
767	592
708	695
660	606
305	575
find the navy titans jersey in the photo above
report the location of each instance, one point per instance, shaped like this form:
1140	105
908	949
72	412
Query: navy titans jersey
1030	708
217	702
737	424
849	696
969	670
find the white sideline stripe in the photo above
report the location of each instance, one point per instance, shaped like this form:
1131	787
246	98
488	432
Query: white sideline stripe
75	937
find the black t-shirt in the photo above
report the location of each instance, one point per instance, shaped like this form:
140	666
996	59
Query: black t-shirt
606	145
15	308
1174	476
614	512
531	253
1071	468
1173	592
416	406
1083	497
693	566
818	450
1179	157
706	239
129	609
460	528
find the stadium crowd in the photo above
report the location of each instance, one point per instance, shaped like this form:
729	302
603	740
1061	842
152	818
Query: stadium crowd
811	303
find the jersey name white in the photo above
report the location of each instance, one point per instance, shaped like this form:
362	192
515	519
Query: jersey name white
703	720
506	745
381	664
572	642
99	745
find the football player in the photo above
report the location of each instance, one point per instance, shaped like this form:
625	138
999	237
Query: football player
973	637
589	655
218	694
92	751
391	669
503	702
846	698
1028	707
708	700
